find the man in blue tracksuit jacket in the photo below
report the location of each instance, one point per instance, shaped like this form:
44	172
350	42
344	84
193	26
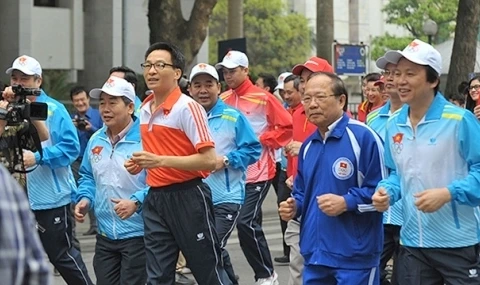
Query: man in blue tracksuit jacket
236	146
50	185
433	151
111	191
339	166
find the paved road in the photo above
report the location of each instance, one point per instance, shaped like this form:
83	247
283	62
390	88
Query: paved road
271	227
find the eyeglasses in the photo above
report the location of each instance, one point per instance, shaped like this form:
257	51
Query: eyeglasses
158	65
320	98
387	73
476	87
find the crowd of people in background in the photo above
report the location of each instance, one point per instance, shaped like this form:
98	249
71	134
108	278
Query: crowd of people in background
165	180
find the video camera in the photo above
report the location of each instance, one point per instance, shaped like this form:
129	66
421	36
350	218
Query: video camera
19	111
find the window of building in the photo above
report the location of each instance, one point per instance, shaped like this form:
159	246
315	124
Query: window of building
45	3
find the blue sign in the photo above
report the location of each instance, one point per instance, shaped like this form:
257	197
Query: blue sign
350	59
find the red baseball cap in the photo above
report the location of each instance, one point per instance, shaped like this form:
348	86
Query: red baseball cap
314	64
380	81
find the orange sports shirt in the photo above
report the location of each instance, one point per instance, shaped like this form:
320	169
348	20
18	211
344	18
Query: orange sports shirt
178	127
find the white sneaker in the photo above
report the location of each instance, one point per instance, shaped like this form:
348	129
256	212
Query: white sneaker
272	280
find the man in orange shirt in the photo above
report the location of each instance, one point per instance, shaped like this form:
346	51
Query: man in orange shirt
273	126
178	153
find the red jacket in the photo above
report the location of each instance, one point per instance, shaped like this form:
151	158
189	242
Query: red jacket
270	120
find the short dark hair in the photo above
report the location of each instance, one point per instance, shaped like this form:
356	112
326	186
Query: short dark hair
432	76
130	75
295	79
77	90
460	98
338	86
178	59
268	80
469	103
374	76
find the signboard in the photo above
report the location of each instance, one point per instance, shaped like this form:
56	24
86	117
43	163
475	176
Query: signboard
224	47
350	59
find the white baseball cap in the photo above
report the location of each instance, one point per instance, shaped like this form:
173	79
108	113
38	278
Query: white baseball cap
203	68
418	52
115	86
233	59
27	65
281	79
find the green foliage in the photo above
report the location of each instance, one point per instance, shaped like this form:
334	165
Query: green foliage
56	84
411	14
382	44
276	38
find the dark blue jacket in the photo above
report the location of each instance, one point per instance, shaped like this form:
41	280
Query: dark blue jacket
350	164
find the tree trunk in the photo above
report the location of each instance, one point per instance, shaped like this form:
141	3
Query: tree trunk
235	19
325	29
464	45
167	24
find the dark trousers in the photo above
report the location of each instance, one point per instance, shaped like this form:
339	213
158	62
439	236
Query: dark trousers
250	233
226	216
120	262
391	245
319	274
56	235
438	266
283	192
91	215
180	217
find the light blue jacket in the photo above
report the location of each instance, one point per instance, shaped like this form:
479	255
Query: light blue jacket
444	151
235	139
377	120
51	184
104	177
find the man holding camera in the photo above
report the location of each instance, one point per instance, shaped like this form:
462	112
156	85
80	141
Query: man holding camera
51	183
15	138
87	120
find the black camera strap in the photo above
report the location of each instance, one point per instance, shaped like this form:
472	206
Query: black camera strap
33	133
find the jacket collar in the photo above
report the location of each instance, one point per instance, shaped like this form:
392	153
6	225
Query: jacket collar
338	130
133	135
434	112
243	88
218	108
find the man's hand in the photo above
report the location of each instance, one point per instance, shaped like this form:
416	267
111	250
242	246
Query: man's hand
293	148
288	209
28	158
146	159
81	209
88	126
381	200
431	200
289	182
476	111
220	164
3	123
132	167
8	94
124	208
331	204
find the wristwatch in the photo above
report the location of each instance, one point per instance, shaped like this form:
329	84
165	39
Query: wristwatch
137	204
226	162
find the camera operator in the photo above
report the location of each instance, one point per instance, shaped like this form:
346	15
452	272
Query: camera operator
50	184
14	140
